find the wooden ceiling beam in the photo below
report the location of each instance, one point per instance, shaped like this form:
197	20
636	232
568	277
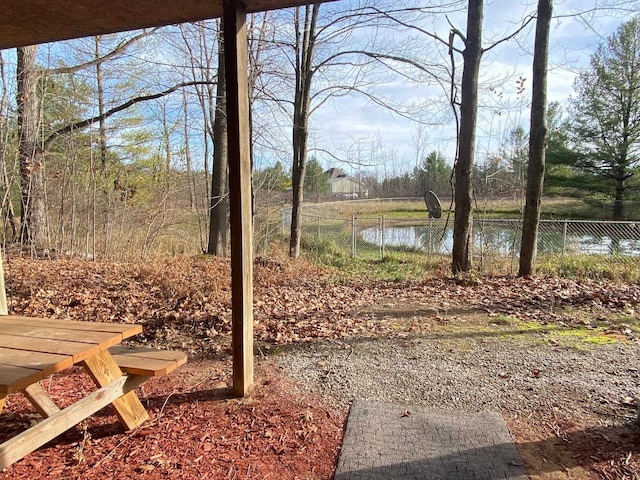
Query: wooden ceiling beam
30	22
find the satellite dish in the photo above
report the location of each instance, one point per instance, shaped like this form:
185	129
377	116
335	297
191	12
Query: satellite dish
433	204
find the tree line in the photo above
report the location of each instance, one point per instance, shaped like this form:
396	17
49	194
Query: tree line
119	140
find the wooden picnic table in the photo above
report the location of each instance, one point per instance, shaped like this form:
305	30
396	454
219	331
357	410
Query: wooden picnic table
32	349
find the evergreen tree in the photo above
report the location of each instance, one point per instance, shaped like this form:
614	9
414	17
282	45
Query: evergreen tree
433	174
273	178
562	177
315	180
606	113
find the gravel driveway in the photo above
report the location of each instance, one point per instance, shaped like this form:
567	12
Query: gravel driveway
515	376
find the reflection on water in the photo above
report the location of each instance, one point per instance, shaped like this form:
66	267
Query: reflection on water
503	238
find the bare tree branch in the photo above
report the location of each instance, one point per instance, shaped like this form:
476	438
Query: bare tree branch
524	25
90	121
416	28
116	51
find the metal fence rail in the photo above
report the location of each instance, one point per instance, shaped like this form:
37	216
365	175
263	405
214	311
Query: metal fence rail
493	238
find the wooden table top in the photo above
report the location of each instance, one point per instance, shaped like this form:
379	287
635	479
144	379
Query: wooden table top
34	348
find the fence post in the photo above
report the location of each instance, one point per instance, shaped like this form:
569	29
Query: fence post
353	235
564	239
382	237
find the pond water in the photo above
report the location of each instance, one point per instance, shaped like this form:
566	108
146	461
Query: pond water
504	238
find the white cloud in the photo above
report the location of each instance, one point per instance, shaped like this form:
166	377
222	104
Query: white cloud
357	121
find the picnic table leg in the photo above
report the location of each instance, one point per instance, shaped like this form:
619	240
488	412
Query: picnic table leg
40	400
38	435
103	369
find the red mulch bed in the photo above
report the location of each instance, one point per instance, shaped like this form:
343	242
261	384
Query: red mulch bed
196	431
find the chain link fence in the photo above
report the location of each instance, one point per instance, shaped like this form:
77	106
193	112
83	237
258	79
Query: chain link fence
496	241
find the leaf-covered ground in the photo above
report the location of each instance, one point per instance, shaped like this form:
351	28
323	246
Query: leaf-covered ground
196	430
188	301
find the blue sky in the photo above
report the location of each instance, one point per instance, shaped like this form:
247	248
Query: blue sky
372	139
354	127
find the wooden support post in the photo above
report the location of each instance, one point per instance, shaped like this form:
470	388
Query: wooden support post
40	400
104	370
235	49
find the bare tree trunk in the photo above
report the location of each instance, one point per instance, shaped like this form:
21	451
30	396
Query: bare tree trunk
201	65
10	228
91	213
463	221
65	179
618	202
219	223
31	158
102	142
31	151
257	43
11	233
166	138
191	182
305	46
74	210
535	170
102	131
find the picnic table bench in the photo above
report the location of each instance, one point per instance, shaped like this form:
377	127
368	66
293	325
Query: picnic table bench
32	349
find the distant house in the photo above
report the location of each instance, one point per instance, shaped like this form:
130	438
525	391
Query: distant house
341	185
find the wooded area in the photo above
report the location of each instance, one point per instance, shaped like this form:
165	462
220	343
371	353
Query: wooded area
114	146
